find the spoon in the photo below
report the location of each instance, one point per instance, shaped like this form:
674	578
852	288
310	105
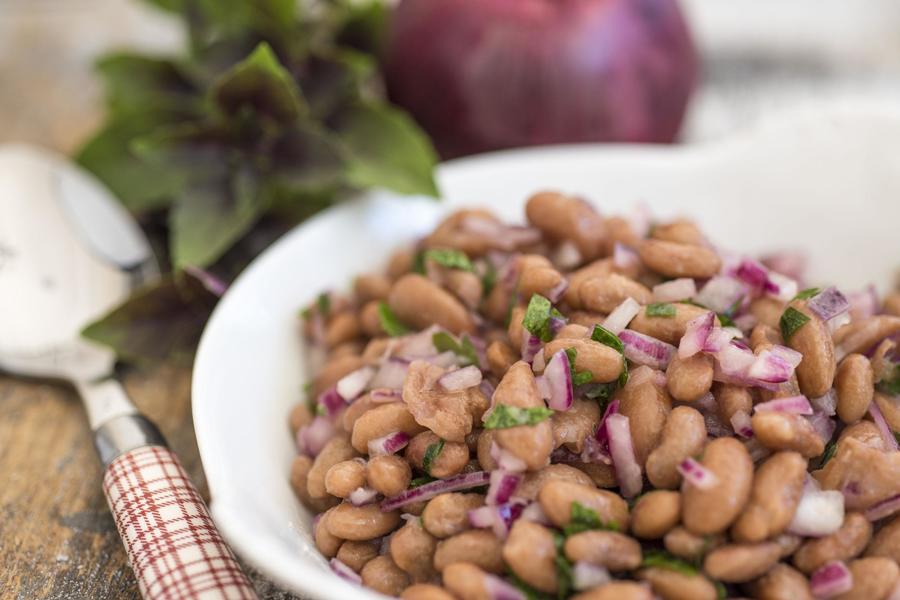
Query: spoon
69	253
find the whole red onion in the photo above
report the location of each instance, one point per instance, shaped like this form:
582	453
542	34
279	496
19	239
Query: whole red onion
486	74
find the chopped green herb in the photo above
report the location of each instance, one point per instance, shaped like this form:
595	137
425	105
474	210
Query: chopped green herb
890	383
578	377
607	338
420	481
418	265
452	259
791	321
564	576
664	560
725	320
807	293
660	309
583	518
600	391
623	376
830	449
444	342
897	436
489	279
721	592
323	304
691	302
504	417
431	454
321	410
389	321
537	317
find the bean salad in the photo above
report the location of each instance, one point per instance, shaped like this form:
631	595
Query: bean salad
600	407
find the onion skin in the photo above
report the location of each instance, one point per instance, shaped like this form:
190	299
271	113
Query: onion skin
490	74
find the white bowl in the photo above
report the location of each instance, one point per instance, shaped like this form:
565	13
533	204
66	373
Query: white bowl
827	184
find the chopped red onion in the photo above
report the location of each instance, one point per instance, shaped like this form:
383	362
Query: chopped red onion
790	263
542	386
823	425
587	575
344	572
460	379
756	276
756	450
621	448
771	367
863	304
745	322
534	513
558	380
503	486
720	338
696	334
720	293
622	315
828	303
592	451
312	438
645	350
390	375
506	460
445	360
385	395
742	424
624	258
498	517
362	496
531	345
883	509
733	363
837	322
639	219
696	474
789	354
332	402
782	287
419	344
498	589
352	385
831	579
890	442
675	290
819	513
826	404
435	488
795	405
486	388
388	444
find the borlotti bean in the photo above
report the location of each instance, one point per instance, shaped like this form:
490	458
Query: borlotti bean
598	407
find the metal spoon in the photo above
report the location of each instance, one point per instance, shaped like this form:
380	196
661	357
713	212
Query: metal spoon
69	253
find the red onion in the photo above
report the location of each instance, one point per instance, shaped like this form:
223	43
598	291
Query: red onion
863	304
567	255
795	405
344	572
696	474
460	379
828	303
756	276
719	339
788	263
823	425
417	345
531	345
352	385
890	442
498	589
558	379
622	315
883	509
332	402
592	451
819	513
696	334
587	575
742	424
445	360
770	367
430	490
826	404
645	350
362	496
496	74
498	517
675	290
783	288
503	486
506	460
720	293
385	395
534	513
831	579
312	438
621	448
388	444
624	258
391	374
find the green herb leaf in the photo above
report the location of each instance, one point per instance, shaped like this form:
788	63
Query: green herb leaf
504	417
807	293
323	304
420	481
660	309
828	454
623	376
583	518
389	321
431	454
138	84
600	391
725	320
452	259
489	279
564	574
663	560
537	317
607	338
721	591
890	383
578	377
791	320
444	342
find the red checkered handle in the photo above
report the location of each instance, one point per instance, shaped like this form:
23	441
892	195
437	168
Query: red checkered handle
172	544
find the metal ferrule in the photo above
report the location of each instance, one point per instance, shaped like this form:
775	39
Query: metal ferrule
125	433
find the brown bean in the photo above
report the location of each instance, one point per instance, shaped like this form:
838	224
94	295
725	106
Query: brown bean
556	498
674	585
412	549
356	554
361	523
777	487
610	549
860	336
767	311
597	268
465	285
647	408
782	582
683	435
532	483
681	231
617	590
451	459
448	414
870	474
448	514
420	303
371	287
337	450
606	292
333	371
341	328
370	319
873	579
713	509
891	304
351	348
674	259
299	416
530	552
483	451
667	329
388	475
561	217
739	563
602	474
783	431
655	514
467	582
886	541
603	362
847	542
572	330
299	477
688	379
477	546
854	384
530	443
500	357
540	280
380	421
788	542
326	542
400	263
690	546
425	591
355	410
382	575
881	360
731	399
865	431
344	477
890	410
816	371
571	427
766	336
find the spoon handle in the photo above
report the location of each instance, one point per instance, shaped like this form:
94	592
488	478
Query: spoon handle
173	545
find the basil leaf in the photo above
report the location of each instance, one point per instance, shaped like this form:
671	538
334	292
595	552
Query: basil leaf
890	384
725	320
582	518
489	279
537	317
452	259
444	342
663	560
504	417
431	454
607	338
660	309
578	377
323	304
389	321
600	391
721	591
791	320
807	293
420	481
565	576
